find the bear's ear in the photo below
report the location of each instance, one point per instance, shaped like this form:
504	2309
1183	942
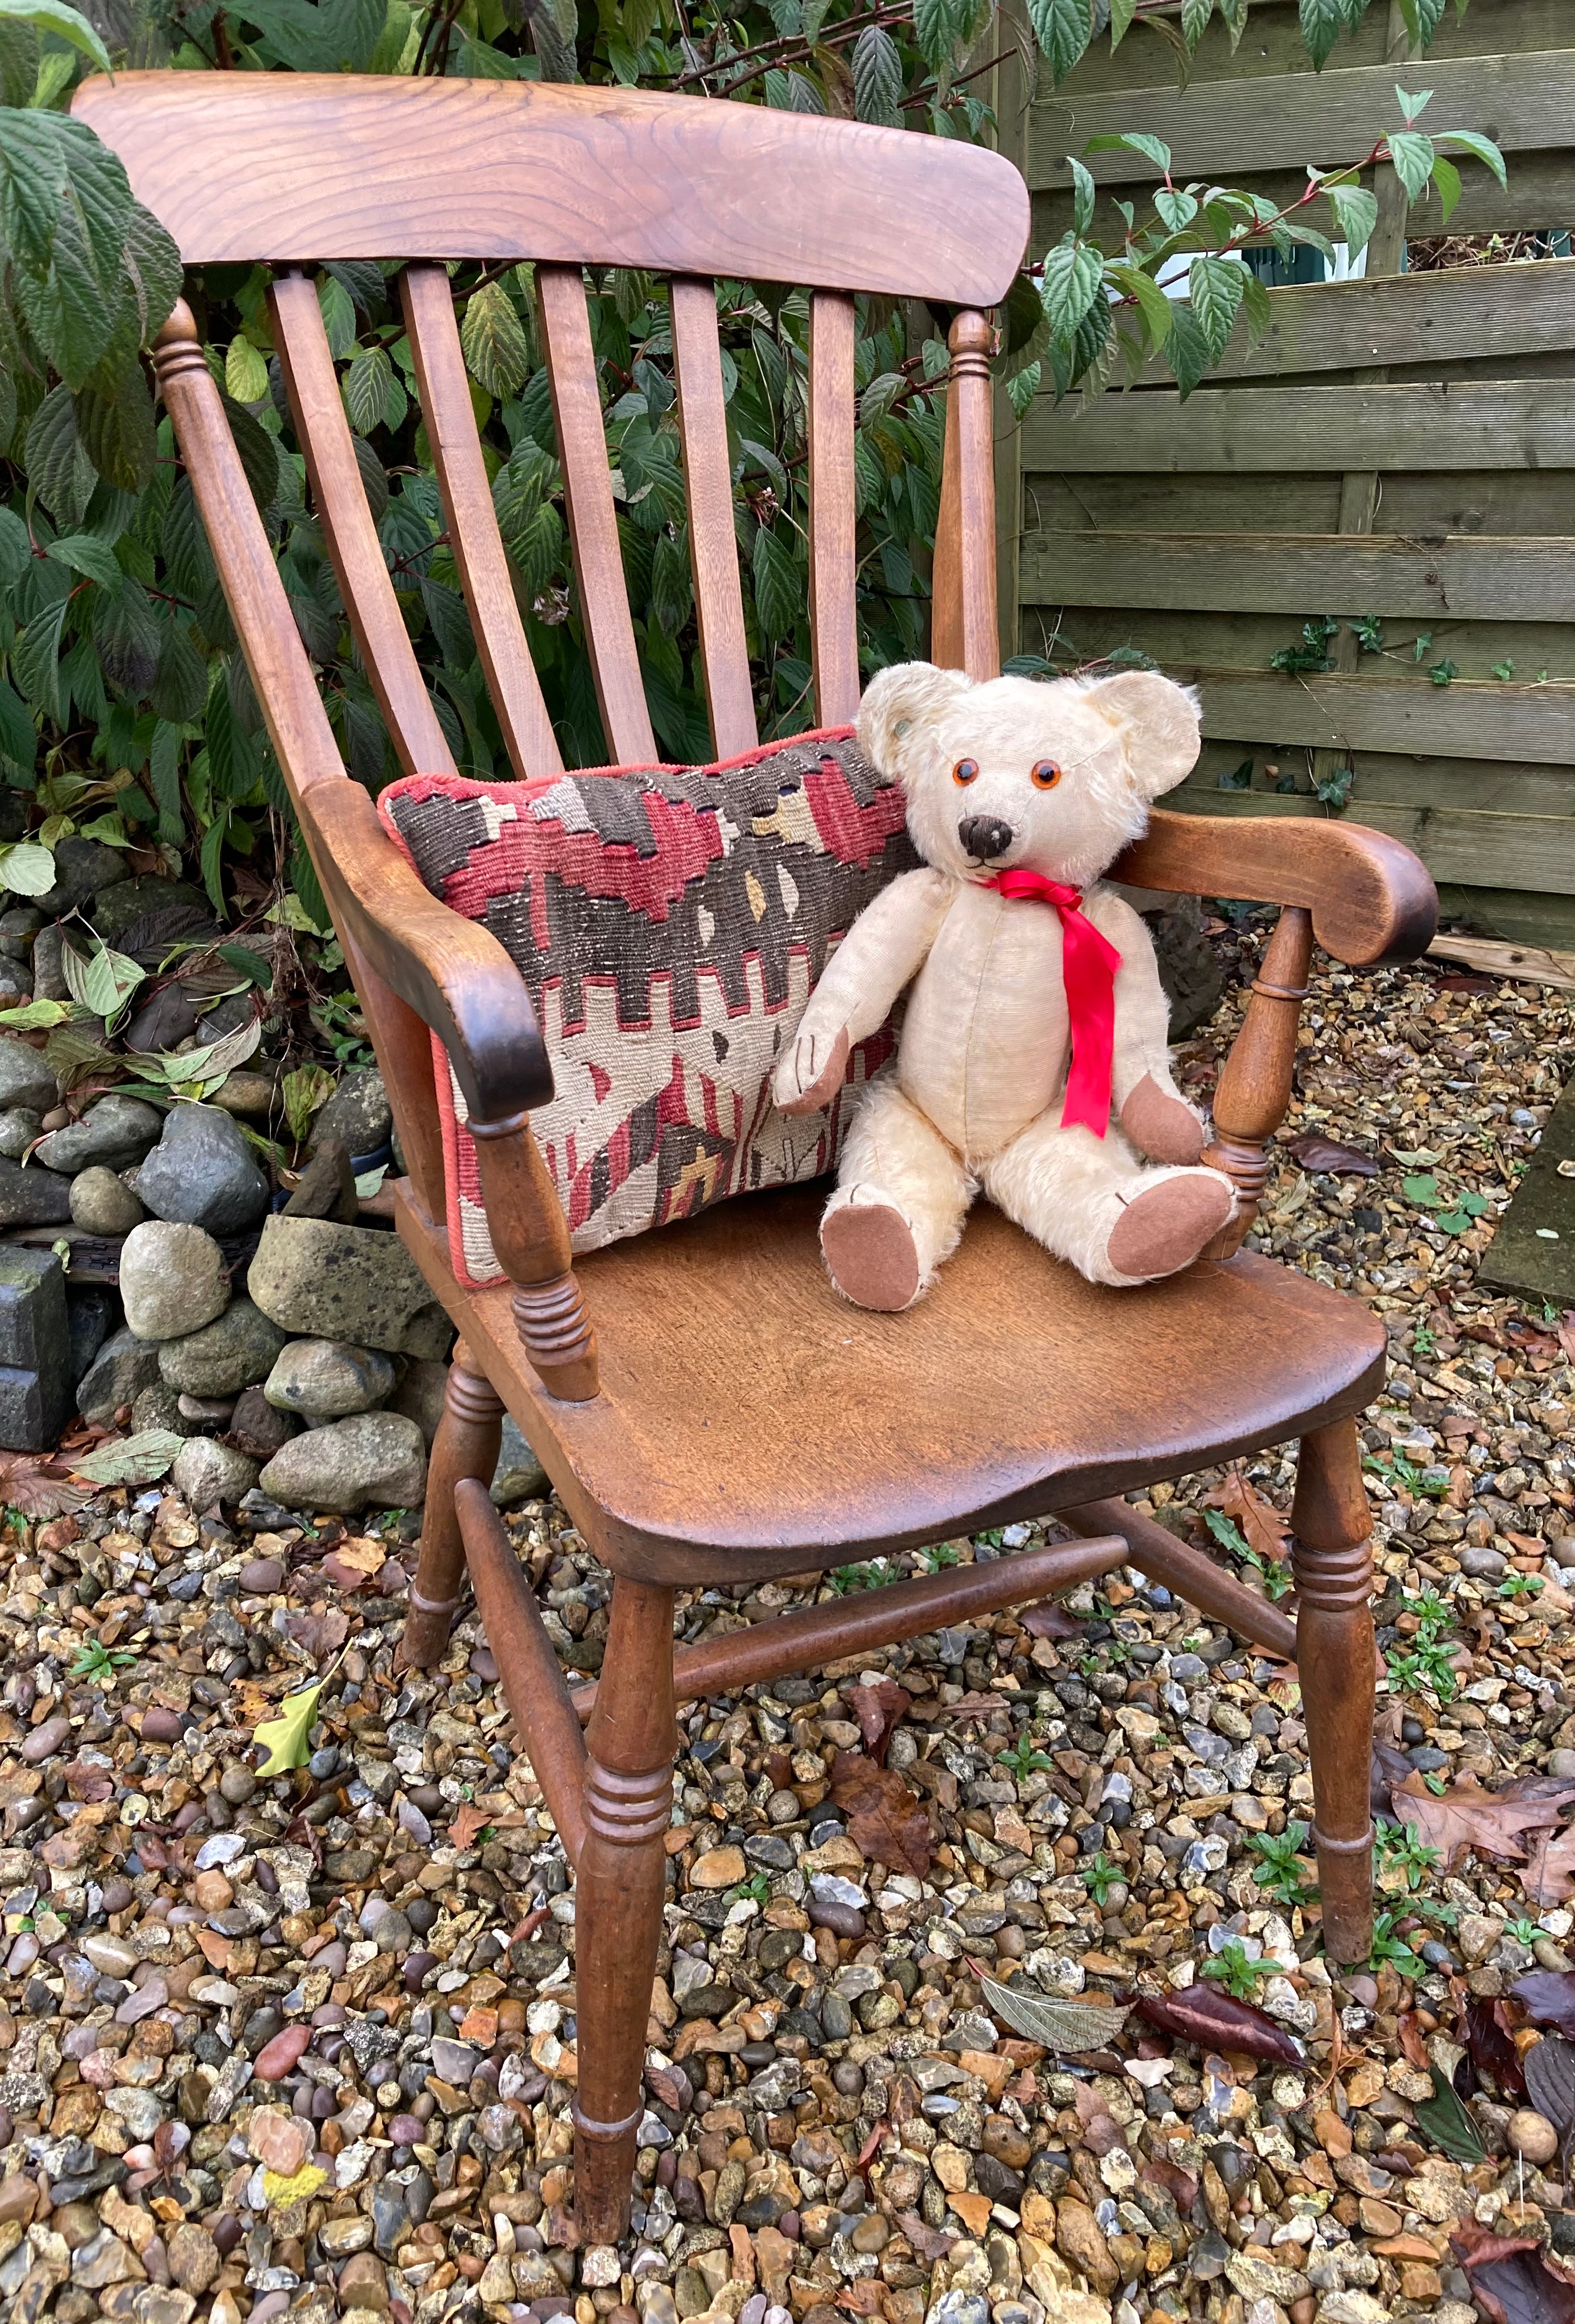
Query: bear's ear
1158	721
897	707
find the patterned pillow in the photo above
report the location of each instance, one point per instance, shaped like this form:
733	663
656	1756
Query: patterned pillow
670	923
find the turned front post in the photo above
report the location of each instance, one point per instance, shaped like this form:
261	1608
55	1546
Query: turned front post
1255	1086
1332	1562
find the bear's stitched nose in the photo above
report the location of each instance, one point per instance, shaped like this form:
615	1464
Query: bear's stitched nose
984	836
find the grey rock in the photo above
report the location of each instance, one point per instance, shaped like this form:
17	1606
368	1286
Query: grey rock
116	908
91	1310
19	1128
357	1113
35	1348
33	1197
257	1427
202	1173
1561	1764
49	981
374	1457
325	1379
25	1079
18	927
103	1203
1483	1564
114	1133
173	1280
157	1406
123	1368
519	1475
420	1397
15	984
235	1351
164	1022
83	868
322	1280
207	1472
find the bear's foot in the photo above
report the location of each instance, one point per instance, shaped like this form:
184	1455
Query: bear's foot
870	1250
1169	1224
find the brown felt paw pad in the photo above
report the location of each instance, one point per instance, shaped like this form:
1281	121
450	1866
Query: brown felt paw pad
1160	1125
870	1250
1168	1226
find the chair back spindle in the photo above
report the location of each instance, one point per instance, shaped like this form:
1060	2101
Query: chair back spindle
834	625
725	658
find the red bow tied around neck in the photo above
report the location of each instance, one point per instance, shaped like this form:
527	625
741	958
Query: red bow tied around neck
1089	965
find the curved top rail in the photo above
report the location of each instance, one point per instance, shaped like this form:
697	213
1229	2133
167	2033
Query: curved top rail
280	167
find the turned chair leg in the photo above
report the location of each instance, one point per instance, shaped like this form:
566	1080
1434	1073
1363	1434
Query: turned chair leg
621	1884
466	1445
1334	1567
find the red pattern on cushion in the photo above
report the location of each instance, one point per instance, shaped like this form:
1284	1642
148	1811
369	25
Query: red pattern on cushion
670	923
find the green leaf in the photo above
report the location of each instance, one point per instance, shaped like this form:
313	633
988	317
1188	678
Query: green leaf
1175	209
1121	15
1134	140
1255	306
301	1093
1185	350
1322	22
18	739
537	549
35	661
104	981
1068	2028
32	187
1073	272
779	584
1226	1532
153	265
136	1459
1413	158
1082	196
1216	287
1064	29
1421	19
1411	107
246	373
285	1738
54	17
36	1016
366	388
1356	214
338	316
58	468
27	869
164	769
1157	311
213	846
1421	1188
1470	141
491	337
115	425
16	546
878	78
1448	2125
255	448
85	553
1194	19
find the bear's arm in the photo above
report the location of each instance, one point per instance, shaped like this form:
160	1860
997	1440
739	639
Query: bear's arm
1152	1110
882	952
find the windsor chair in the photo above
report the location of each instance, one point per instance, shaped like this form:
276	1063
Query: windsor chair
707	1410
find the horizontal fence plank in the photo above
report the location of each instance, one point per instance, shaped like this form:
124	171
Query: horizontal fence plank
1274	44
1495	850
1538	501
1540	197
1192	636
1230	127
1332	711
1484	579
1503	787
1509	424
1408	319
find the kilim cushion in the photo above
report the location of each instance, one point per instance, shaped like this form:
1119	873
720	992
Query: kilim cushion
669	924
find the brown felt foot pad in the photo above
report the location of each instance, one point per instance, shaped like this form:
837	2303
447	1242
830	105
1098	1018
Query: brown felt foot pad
1166	1227
870	1250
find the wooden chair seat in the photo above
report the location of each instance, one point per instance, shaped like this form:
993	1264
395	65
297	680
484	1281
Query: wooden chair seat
751	1423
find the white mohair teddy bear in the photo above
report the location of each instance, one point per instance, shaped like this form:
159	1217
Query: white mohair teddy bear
1032	1062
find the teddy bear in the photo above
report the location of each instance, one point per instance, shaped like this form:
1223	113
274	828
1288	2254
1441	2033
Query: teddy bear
1032	1061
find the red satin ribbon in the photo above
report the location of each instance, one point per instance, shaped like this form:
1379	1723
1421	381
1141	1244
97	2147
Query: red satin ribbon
1089	965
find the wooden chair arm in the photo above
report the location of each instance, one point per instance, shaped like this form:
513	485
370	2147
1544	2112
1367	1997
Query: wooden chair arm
1370	898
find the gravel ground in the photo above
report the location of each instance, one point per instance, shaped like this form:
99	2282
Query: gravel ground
307	2044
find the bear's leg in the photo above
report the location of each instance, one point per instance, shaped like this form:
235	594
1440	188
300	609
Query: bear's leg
1090	1200
900	1205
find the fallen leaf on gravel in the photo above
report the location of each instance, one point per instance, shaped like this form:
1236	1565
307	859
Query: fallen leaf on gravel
1547	1996
1491	2044
1159	2171
1049	1619
929	2243
1450	2127
1069	2027
1390	1767
1216	2019
1549	1877
1467	1817
131	1459
885	1819
1510	2281
1413	2041
464	1823
1268	1532
1316	1153
39	1487
1549	2066
286	1736
879	1711
1566	1333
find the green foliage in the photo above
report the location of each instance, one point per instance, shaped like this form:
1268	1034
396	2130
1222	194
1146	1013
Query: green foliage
1282	1872
1276	1578
124	707
1238	1970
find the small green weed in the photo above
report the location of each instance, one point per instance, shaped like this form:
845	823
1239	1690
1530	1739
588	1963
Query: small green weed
1276	1578
1024	1759
1099	1877
1237	1970
99	1663
1401	1846
1282	1873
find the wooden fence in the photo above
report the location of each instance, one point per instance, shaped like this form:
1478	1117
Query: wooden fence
1402	446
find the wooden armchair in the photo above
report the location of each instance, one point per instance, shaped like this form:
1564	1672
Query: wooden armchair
706	1407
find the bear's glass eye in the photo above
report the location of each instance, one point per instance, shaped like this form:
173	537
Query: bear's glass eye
1046	774
965	771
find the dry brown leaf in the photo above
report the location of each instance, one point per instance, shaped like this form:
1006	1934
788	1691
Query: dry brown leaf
1549	1875
1468	1817
1566	1333
1316	1152
885	1819
879	1711
40	1487
1266	1531
464	1823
